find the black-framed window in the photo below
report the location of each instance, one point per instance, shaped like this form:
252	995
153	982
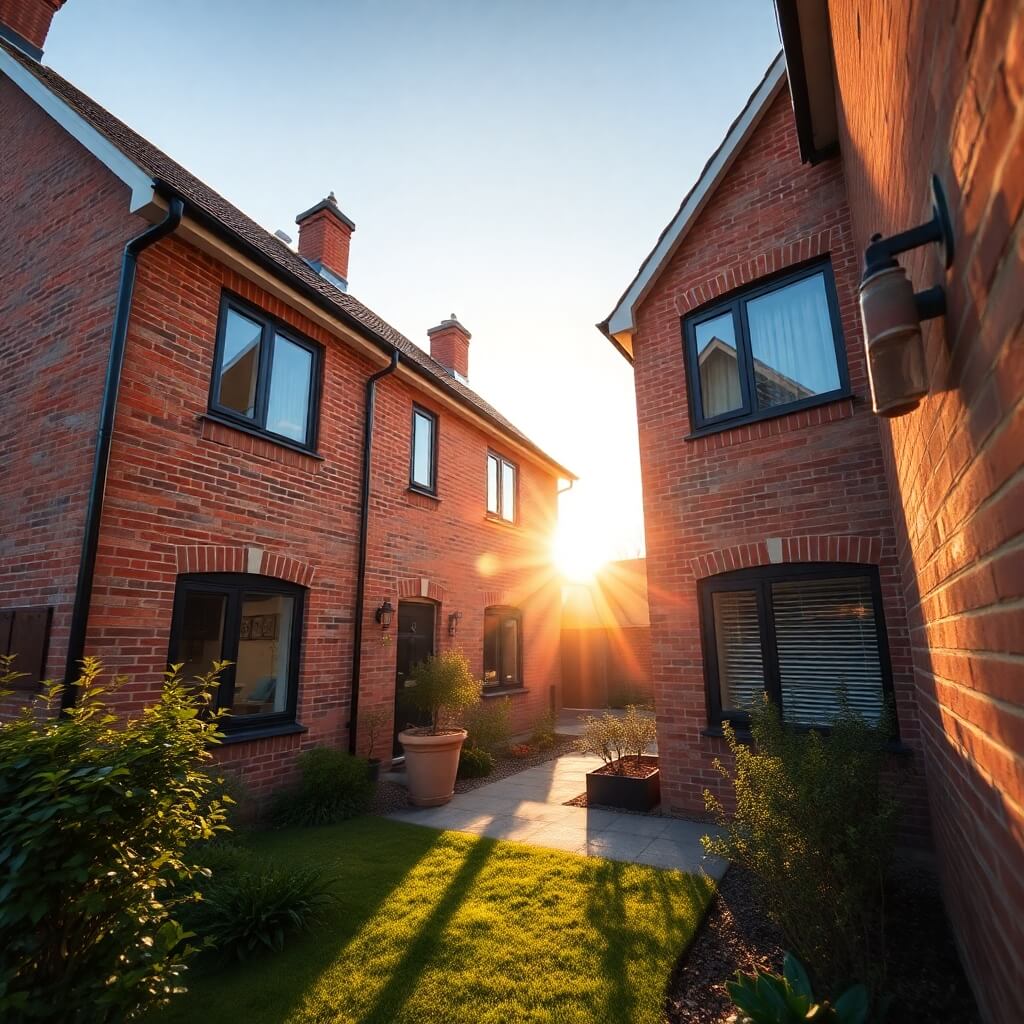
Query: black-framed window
255	622
502	487
265	376
768	350
423	456
503	648
803	634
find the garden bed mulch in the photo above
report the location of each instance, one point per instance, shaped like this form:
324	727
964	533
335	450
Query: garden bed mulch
393	796
924	975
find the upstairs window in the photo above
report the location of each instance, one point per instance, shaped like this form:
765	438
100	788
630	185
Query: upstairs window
803	634
502	648
501	487
771	349
423	459
254	622
265	377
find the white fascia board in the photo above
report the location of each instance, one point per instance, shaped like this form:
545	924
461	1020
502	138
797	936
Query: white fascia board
621	321
139	182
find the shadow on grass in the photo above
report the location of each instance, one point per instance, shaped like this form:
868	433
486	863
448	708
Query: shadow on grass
638	922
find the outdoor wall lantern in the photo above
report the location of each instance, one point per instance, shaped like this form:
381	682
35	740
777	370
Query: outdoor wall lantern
453	623
384	613
892	312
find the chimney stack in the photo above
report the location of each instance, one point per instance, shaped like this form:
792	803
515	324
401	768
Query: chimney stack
26	23
449	345
325	234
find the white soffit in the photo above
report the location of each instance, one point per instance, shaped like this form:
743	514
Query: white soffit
621	320
138	181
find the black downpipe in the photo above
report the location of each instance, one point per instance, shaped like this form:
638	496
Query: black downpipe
364	531
108	407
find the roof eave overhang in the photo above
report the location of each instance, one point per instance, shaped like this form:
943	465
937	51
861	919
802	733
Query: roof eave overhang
621	324
807	45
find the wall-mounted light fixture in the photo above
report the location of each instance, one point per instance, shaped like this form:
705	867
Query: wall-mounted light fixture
384	613
453	623
892	312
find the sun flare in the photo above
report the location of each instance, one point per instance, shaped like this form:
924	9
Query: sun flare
579	553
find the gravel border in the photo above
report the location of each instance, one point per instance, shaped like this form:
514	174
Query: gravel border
923	971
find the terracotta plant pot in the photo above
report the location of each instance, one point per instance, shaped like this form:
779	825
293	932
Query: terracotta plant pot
430	764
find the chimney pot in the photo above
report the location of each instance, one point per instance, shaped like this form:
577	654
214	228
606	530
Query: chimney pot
325	234
449	345
27	22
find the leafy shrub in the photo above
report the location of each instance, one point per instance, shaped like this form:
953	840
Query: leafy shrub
786	998
521	750
98	820
373	721
815	826
441	687
474	763
612	738
248	906
489	725
333	786
543	735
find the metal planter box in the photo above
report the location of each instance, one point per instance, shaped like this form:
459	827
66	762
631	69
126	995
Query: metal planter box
623	791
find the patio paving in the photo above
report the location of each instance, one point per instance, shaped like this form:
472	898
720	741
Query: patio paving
529	807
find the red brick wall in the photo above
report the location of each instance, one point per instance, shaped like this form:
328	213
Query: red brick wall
605	664
940	89
814	479
65	222
185	493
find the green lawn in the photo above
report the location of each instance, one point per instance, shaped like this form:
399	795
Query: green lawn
445	928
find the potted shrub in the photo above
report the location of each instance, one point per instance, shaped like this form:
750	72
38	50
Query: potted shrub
440	688
629	777
373	721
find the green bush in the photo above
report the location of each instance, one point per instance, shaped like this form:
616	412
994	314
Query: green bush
621	695
489	725
98	819
613	738
474	763
442	687
786	998
815	826
543	735
333	786
248	907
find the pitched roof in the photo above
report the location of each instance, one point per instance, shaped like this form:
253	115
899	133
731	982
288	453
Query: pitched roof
170	177
619	325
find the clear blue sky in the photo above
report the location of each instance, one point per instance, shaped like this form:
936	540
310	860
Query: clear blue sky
511	161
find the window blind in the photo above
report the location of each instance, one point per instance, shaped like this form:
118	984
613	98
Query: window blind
738	640
827	641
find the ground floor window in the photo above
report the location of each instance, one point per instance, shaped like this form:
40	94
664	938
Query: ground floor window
255	622
502	648
803	634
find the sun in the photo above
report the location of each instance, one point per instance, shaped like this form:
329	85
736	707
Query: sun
579	553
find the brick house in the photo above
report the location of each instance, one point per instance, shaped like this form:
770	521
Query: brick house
794	539
199	487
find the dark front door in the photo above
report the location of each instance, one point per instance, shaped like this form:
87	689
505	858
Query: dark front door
416	622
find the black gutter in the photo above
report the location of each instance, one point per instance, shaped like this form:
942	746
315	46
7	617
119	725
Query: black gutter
326	303
364	532
104	435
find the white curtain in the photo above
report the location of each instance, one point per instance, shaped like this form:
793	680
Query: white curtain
791	342
288	409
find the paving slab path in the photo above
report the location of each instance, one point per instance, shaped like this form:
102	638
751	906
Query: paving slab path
530	807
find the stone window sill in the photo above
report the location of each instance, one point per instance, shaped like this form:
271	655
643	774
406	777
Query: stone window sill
504	691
